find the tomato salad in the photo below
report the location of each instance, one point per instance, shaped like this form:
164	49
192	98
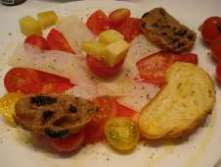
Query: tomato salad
112	119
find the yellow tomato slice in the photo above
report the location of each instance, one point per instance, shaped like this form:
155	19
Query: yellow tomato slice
121	133
7	106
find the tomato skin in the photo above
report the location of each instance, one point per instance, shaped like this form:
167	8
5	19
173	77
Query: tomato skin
98	22
211	28
216	48
152	69
56	41
37	41
29	81
24	80
130	28
101	69
118	16
68	144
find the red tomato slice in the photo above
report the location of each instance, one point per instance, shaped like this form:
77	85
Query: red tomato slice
216	48
25	80
67	144
94	130
29	81
130	28
53	83
98	22
37	41
152	69
56	41
101	69
211	28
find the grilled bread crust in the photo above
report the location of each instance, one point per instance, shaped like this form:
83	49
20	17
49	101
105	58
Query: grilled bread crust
181	106
166	32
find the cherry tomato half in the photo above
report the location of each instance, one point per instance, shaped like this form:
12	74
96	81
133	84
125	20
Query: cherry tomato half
101	69
118	16
121	133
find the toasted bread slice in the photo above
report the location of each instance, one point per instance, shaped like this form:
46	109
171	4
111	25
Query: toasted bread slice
166	32
181	105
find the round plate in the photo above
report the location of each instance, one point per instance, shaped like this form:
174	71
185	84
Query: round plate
201	149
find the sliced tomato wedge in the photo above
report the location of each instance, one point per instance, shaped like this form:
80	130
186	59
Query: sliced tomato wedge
101	69
68	144
24	80
38	41
130	28
98	22
152	69
29	81
56	41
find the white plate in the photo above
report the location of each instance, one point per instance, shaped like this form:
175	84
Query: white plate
202	149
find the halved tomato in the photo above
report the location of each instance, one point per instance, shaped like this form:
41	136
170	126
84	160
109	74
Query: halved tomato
152	69
98	22
130	28
37	41
56	41
101	69
118	16
68	144
29	81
